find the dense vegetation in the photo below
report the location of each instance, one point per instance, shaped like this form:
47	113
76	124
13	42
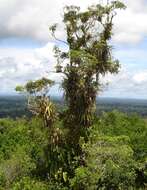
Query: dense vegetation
115	157
74	149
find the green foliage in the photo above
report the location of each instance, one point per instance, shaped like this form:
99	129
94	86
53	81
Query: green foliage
20	150
114	155
108	164
19	88
40	86
27	183
115	124
38	101
19	165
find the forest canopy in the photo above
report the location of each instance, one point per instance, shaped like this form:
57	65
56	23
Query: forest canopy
115	156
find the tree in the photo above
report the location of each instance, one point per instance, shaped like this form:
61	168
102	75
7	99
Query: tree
89	56
38	100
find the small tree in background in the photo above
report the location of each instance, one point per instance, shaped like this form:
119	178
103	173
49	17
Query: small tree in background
40	105
38	100
89	57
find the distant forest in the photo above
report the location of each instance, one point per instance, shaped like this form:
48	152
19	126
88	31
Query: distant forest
16	106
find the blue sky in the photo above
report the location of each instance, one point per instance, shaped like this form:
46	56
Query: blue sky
26	46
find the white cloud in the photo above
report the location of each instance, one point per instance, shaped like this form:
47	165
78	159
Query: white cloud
140	77
31	18
23	65
130	26
127	84
28	64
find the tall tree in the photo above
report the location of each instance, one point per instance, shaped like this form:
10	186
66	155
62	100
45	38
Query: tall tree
89	55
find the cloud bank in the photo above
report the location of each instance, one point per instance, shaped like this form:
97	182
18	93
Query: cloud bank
31	19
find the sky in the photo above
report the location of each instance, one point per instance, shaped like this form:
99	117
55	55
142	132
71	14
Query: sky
26	45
